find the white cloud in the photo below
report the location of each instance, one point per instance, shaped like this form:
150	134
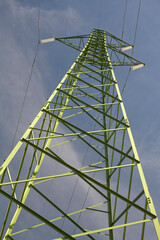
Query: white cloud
60	23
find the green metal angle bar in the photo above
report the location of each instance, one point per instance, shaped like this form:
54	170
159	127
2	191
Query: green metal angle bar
97	139
106	229
68	43
100	233
55	219
114	139
3	176
129	194
35	214
89	95
86	86
98	146
95	164
96	71
127	152
119	172
47	178
10	178
111	107
65	41
28	174
83	106
93	76
75	37
97	210
84	176
121	46
128	207
60	210
36	157
143	225
75	134
107	179
10	237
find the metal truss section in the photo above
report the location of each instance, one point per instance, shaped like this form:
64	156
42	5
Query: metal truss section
76	173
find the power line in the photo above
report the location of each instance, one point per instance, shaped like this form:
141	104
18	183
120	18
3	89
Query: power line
100	13
125	83
135	34
30	76
137	22
124	18
39	20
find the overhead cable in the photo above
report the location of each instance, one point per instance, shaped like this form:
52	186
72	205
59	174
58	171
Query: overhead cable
137	22
124	18
30	76
125	83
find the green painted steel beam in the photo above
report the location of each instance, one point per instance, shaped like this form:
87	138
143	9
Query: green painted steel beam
60	210
64	174
106	229
35	214
56	219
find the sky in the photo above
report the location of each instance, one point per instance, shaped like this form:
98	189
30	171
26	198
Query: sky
59	18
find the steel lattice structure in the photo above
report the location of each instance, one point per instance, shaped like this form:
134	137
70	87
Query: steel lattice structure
49	191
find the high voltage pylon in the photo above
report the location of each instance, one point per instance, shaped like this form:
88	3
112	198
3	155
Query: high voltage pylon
75	173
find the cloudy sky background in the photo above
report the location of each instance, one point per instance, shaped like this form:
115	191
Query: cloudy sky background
19	37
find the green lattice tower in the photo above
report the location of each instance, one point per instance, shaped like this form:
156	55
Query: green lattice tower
75	173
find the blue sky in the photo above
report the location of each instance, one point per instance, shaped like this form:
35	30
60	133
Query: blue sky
19	36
